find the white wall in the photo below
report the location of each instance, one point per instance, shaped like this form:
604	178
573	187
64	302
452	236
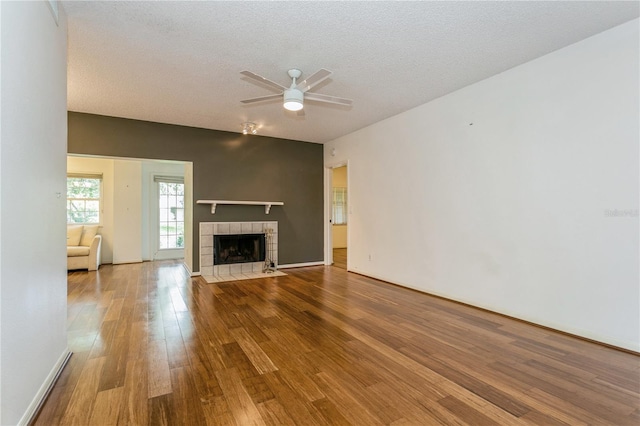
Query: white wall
33	278
105	167
498	193
127	208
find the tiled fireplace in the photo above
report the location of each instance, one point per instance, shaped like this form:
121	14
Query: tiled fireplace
241	251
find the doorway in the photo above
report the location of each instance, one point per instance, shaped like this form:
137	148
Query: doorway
339	216
130	227
166	215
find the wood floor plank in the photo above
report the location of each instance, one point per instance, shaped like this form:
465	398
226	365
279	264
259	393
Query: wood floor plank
176	352
105	299
153	346
138	340
256	355
135	408
330	412
204	361
160	410
113	373
102	343
411	402
303	383
524	395
380	407
466	413
537	418
218	413
477	403
350	408
236	357
113	311
274	414
185	408
258	389
467	380
290	341
291	399
618	413
107	407
240	403
159	372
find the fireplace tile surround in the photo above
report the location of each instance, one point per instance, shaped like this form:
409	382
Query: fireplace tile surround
219	273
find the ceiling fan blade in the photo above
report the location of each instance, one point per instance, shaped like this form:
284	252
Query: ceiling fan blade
313	80
260	79
262	98
328	99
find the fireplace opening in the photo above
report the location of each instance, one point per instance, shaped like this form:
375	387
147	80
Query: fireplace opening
240	248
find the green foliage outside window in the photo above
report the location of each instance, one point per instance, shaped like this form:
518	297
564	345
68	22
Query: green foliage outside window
171	197
83	200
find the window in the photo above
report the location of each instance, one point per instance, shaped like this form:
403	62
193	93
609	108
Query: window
83	198
171	205
339	215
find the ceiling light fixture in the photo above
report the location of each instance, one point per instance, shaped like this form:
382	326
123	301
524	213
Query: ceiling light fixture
249	128
293	99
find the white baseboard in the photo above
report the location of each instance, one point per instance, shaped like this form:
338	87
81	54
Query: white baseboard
44	390
125	262
301	265
168	254
189	271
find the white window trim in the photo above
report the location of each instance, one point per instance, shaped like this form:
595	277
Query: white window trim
100	200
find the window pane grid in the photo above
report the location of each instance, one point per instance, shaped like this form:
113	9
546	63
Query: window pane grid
83	200
171	214
339	207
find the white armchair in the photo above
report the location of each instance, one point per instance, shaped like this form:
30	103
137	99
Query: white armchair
83	247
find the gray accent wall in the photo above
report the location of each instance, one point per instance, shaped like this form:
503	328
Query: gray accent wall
226	166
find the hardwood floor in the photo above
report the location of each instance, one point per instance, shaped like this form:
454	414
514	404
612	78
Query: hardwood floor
340	258
318	346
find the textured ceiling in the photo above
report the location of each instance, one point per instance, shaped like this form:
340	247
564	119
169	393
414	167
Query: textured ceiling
180	62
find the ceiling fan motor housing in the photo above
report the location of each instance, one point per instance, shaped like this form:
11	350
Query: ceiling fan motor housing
294	73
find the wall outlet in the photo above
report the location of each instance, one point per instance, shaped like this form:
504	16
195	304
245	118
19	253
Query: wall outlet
369	258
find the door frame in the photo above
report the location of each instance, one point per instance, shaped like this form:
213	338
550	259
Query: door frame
154	220
328	204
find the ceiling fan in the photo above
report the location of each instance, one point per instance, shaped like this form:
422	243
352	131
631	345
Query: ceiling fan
295	94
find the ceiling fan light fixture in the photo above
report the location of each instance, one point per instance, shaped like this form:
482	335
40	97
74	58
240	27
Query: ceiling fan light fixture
293	99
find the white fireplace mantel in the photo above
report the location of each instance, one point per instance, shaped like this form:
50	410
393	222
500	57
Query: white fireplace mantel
267	204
